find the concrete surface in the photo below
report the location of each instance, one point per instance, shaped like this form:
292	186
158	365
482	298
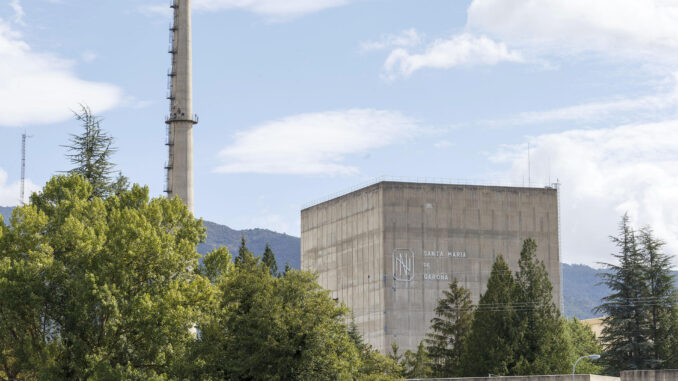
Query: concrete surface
390	249
181	120
650	375
558	377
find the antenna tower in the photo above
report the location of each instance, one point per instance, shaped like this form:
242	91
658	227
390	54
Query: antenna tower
23	166
180	121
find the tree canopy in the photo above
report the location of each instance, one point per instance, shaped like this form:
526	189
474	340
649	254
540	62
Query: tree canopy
97	288
111	288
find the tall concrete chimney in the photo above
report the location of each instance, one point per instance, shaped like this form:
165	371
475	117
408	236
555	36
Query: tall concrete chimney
181	119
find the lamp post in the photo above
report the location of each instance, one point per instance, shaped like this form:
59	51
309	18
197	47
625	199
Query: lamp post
592	357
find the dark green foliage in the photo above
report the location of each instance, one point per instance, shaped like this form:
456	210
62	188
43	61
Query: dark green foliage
416	364
542	348
268	328
496	329
269	260
627	326
662	300
450	330
91	152
244	255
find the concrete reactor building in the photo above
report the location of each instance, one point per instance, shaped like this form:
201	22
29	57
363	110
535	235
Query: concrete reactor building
389	250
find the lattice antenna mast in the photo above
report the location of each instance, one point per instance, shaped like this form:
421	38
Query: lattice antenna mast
180	122
23	167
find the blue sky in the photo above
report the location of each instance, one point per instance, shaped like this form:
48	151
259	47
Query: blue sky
299	99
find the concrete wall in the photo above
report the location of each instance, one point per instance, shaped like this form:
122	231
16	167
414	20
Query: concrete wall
341	241
457	232
389	250
649	375
560	377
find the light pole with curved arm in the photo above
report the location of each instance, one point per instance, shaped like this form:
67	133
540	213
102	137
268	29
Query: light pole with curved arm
592	357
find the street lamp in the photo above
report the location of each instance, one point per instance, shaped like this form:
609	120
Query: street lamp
592	357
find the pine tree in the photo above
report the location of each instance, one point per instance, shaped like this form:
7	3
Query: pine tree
662	299
269	260
91	154
450	330
244	255
543	346
627	328
495	331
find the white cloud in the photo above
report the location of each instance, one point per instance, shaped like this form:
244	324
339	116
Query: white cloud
658	106
636	27
38	88
459	50
18	12
406	38
284	8
314	143
271	8
89	56
9	193
605	173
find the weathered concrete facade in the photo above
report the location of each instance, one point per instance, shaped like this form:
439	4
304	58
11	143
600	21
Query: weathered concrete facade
390	249
650	375
557	377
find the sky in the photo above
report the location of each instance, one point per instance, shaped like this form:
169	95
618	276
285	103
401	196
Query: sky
301	99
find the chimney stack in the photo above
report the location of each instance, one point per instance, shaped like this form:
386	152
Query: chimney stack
181	119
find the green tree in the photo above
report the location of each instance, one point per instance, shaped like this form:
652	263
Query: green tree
26	344
416	364
582	342
99	288
395	352
627	327
269	260
91	153
661	302
268	328
373	365
245	256
496	330
543	347
450	329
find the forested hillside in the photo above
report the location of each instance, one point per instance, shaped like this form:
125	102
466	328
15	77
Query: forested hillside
287	248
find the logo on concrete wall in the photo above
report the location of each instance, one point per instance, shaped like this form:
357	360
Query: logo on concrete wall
403	264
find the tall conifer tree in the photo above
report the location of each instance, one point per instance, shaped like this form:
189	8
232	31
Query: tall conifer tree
495	331
661	302
543	348
449	331
244	255
627	328
91	152
269	260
